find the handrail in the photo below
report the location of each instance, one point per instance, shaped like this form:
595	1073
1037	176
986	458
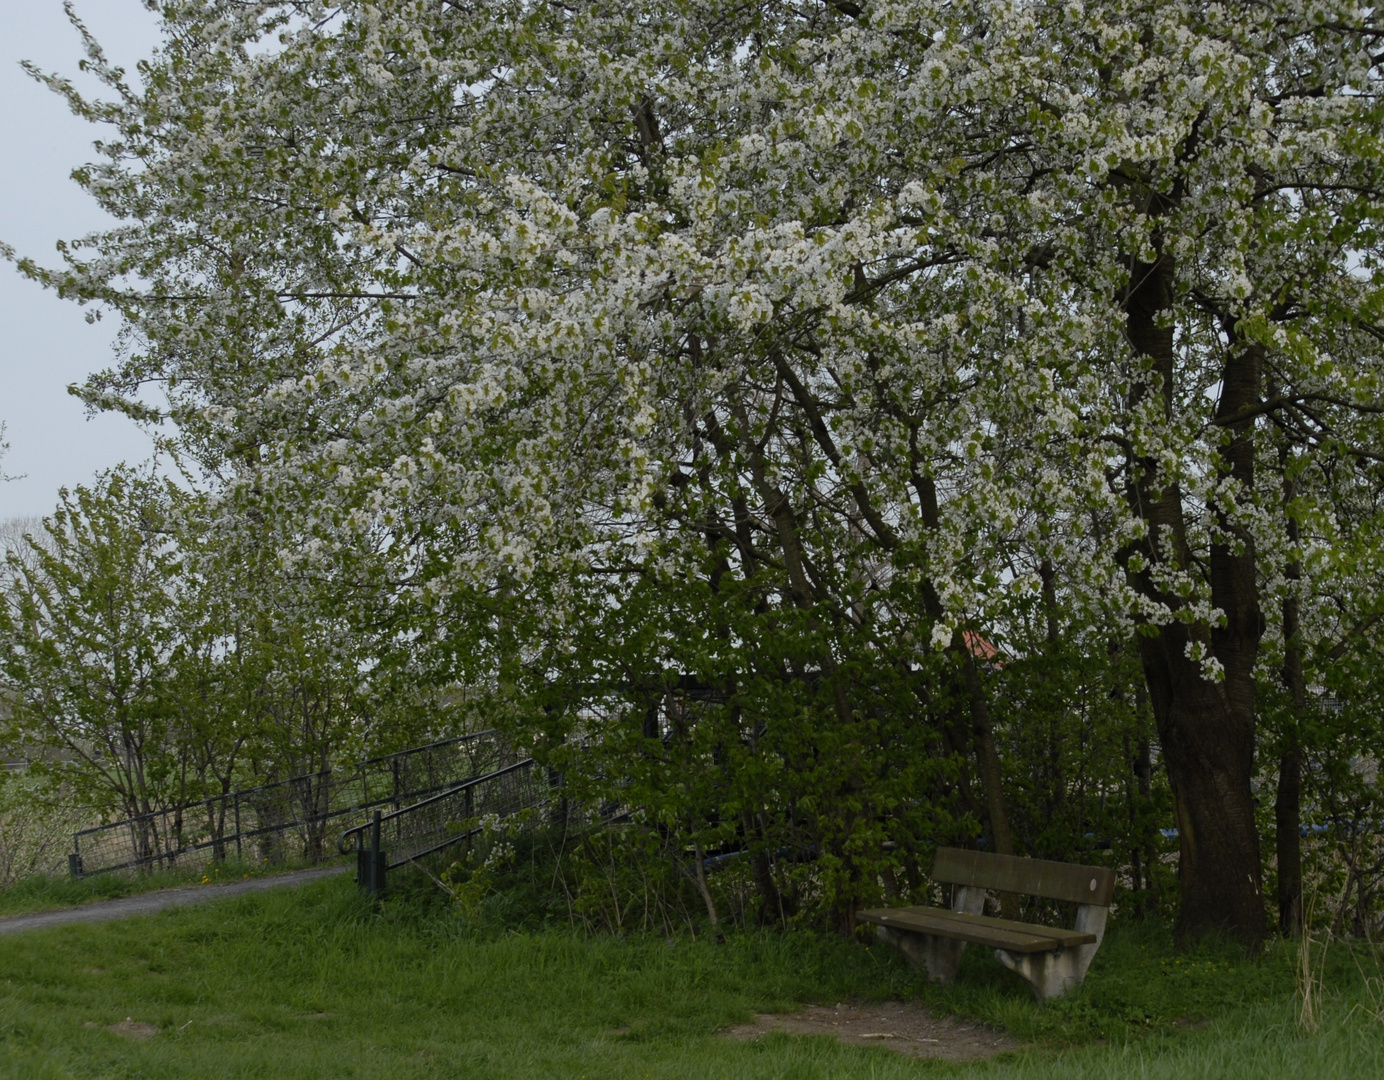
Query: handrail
450	741
345	849
312	801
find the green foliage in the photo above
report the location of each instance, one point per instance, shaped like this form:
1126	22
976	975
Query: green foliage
88	633
1079	745
149	660
1339	732
728	726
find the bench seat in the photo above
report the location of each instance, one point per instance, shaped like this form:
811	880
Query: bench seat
1053	959
1019	937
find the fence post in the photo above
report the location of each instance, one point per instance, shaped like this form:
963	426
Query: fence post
74	864
239	856
370	862
561	811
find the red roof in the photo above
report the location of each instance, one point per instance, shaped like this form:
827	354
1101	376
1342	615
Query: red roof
980	647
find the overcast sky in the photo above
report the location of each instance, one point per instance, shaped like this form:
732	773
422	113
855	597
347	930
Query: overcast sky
45	343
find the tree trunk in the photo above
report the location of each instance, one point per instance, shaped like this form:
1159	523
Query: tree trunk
771	903
982	730
1288	818
1288	803
1206	727
1146	838
991	776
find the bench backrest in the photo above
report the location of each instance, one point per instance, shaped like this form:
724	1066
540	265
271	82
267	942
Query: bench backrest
1031	877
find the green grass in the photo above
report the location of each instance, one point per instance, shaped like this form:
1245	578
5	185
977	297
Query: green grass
41	893
1139	983
316	983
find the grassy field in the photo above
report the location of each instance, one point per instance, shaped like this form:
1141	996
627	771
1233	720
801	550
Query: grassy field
316	983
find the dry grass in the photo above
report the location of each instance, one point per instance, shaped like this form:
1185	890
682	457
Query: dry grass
1309	981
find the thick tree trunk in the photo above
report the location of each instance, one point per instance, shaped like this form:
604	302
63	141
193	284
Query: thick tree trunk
1209	754
1206	727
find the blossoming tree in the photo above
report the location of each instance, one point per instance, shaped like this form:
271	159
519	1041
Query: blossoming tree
863	317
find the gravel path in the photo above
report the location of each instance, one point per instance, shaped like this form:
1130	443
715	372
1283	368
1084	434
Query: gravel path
148	903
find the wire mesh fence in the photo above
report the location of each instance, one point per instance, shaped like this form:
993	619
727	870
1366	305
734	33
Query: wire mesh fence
290	820
454	815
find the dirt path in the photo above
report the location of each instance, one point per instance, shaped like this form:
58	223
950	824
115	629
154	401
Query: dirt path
906	1027
148	903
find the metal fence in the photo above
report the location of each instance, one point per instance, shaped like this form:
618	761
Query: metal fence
450	816
289	820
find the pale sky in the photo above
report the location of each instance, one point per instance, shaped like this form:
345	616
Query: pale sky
45	343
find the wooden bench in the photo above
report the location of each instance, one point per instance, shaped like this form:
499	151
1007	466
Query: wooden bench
1052	959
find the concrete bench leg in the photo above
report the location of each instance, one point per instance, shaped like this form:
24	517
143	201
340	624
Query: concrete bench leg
940	957
1052	974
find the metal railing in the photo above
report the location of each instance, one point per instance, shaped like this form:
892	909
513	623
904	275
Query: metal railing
391	840
288	820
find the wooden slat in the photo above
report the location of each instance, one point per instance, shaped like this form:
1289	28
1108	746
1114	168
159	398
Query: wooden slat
978	929
1031	877
1059	934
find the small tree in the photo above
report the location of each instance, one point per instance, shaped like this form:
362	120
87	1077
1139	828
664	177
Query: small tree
88	630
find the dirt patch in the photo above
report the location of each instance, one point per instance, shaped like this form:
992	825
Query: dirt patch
133	1029
902	1026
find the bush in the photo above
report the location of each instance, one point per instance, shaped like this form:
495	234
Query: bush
36	827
